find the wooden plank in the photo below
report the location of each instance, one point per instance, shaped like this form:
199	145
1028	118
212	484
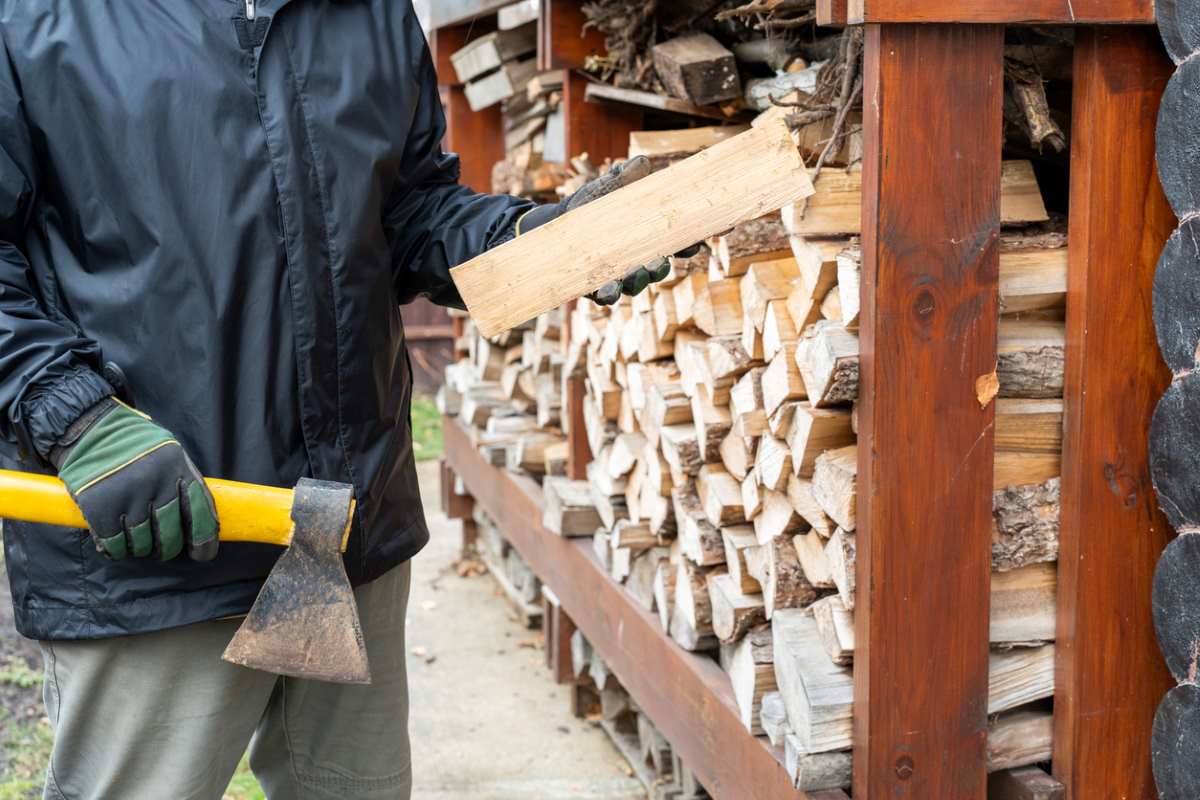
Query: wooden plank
681	689
1112	531
832	12
441	13
928	333
1058	12
738	179
603	92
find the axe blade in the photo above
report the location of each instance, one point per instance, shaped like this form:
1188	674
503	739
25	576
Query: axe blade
305	620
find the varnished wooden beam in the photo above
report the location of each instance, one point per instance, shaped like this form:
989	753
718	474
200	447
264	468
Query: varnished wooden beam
930	294
1110	674
1013	12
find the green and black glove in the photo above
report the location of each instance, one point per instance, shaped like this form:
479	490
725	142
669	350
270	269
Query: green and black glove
618	177
139	492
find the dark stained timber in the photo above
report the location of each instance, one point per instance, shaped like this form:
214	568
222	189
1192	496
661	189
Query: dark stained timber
1175	452
1177	297
1177	608
930	299
1179	24
1176	744
1178	139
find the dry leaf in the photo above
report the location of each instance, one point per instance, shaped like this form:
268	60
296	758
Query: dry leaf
986	388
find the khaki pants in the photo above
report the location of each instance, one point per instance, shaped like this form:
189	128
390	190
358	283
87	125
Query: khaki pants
161	717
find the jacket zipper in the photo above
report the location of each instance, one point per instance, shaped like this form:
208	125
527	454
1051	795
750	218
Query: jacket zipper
251	10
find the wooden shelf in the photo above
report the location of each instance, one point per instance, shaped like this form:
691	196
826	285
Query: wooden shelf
686	696
442	13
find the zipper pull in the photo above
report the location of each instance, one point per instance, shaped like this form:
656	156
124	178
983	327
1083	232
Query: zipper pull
251	10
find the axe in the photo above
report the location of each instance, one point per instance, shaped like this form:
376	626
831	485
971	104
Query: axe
305	621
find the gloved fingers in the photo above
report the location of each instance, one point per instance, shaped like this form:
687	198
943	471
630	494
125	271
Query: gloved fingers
167	527
618	177
199	515
607	294
688	252
141	538
659	269
115	547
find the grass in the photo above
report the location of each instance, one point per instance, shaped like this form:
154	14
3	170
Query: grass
16	672
427	429
243	786
26	750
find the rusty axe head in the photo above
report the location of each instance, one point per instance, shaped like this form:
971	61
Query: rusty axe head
305	621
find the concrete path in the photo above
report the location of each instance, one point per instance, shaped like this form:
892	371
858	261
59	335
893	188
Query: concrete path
487	721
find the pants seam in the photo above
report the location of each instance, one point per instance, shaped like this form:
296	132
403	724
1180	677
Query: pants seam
51	778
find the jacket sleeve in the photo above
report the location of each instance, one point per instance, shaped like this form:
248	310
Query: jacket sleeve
48	369
433	222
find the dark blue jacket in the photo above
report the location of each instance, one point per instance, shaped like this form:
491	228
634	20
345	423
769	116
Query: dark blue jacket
231	211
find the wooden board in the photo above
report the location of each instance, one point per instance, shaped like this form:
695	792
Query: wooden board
1061	12
687	140
929	319
682	689
736	180
1119	222
605	93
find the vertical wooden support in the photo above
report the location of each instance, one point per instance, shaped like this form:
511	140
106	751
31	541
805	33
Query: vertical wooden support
558	629
931	223
1110	675
477	136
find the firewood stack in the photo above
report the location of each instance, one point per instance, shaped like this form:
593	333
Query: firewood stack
720	412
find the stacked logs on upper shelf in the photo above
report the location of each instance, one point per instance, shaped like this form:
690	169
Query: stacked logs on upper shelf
720	412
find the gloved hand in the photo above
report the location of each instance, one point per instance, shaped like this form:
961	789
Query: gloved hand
618	177
139	492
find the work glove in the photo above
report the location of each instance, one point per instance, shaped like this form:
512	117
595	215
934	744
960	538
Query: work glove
139	492
618	177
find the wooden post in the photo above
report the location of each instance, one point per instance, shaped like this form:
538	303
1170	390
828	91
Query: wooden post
477	136
1110	674
931	219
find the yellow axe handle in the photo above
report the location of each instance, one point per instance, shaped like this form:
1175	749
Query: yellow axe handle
248	513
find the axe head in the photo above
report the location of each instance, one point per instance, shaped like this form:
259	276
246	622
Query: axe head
305	621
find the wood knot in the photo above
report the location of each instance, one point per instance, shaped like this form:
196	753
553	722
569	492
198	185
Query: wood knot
904	767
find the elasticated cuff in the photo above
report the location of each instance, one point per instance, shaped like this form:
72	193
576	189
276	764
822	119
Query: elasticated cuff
49	408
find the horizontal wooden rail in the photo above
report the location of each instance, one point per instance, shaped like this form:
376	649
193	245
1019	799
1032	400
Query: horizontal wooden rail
686	696
1014	12
440	13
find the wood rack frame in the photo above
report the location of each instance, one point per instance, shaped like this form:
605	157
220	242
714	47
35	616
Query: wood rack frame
928	332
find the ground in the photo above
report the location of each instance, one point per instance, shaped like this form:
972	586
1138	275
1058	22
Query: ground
487	722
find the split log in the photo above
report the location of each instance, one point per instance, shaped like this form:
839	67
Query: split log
699	540
814	560
664	592
746	404
1027	524
1176	286
835	627
800	495
733	613
681	449
752	495
717	308
698	68
712	424
819	695
815	430
1178	120
774	464
765	281
691	612
693	199
1024	783
772	715
1174	443
720	496
760	239
737	540
835	208
569	510
752	672
777	568
827	358
833	484
782	380
779	330
737	454
840	555
777	518
632	536
640	582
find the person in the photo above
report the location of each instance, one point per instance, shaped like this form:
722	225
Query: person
210	215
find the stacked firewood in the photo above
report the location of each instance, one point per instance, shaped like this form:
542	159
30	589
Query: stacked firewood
720	411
